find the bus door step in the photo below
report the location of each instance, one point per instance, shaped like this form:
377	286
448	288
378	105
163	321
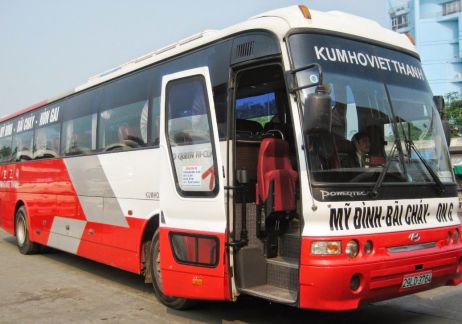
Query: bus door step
273	293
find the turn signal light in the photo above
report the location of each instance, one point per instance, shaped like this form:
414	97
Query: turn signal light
196	281
326	247
411	39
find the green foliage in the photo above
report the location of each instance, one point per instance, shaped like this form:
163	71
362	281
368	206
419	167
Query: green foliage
453	111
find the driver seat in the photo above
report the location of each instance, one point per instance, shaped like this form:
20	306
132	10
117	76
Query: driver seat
274	168
276	190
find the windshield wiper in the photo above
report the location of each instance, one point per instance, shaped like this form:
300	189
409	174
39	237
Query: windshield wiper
436	179
394	127
374	193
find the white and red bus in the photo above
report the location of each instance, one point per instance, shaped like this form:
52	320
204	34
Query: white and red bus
225	164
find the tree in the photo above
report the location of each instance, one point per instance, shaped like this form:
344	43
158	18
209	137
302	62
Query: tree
453	111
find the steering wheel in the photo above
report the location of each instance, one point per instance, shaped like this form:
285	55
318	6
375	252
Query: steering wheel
363	176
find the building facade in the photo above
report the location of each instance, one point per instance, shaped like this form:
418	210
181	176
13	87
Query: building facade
436	26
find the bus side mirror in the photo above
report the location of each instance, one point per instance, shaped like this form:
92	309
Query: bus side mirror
439	102
447	131
318	111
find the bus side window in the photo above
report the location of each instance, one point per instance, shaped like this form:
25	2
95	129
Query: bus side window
79	123
188	119
123	127
78	135
220	100
155	120
5	149
22	146
46	143
188	132
124	113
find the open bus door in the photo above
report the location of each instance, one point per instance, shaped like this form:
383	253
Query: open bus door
193	221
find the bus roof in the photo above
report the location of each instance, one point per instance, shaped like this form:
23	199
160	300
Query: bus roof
278	21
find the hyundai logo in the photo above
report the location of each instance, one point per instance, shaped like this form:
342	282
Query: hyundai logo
414	237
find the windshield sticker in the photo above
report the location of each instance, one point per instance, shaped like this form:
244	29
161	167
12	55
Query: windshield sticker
326	194
331	54
191	176
347	218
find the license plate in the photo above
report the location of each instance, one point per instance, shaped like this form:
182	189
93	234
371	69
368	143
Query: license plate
415	280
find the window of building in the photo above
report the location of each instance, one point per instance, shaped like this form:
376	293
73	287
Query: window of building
400	21
452	7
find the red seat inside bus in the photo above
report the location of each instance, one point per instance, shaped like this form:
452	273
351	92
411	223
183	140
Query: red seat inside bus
274	169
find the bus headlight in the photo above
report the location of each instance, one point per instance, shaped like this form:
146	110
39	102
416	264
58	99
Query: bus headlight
352	248
326	247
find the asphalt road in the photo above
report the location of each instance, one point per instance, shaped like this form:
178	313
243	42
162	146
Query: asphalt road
58	287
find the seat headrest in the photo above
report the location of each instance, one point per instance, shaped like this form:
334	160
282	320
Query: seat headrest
274	147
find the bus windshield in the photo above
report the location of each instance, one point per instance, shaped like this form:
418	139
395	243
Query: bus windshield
384	128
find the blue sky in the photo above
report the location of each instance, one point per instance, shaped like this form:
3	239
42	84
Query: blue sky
48	47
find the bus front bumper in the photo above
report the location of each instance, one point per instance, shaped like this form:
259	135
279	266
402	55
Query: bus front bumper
326	287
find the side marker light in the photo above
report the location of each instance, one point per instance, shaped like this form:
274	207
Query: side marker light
305	11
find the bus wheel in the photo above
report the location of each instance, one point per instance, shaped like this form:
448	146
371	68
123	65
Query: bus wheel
25	245
172	302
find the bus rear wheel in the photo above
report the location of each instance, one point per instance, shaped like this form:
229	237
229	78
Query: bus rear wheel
172	302
25	245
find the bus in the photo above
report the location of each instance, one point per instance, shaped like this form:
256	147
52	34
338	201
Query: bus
225	165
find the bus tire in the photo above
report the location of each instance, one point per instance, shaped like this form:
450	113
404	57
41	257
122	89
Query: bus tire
25	245
172	302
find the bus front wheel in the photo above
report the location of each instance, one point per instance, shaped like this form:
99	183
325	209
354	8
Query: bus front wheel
172	302
25	245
